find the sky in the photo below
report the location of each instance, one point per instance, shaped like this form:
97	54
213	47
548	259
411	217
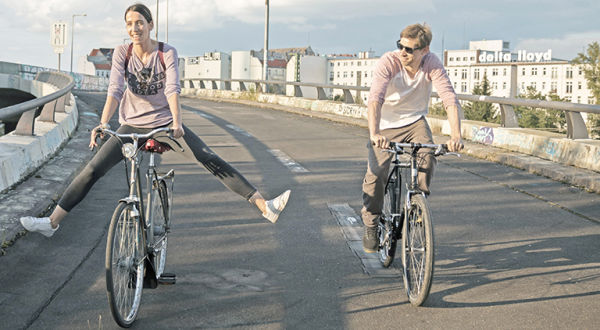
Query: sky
328	26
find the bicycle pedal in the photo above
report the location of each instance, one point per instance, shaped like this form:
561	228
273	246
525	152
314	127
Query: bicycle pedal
167	278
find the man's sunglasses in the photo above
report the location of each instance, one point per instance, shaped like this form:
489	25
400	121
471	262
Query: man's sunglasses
408	49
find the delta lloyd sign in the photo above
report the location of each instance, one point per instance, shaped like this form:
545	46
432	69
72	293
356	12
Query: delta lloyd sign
522	56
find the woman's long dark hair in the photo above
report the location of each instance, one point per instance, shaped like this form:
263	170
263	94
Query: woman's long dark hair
140	8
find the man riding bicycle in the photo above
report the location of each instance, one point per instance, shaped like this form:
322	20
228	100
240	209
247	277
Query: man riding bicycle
397	104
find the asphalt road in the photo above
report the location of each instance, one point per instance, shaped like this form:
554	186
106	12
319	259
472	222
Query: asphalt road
513	250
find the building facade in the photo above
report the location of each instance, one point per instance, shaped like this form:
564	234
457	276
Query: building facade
538	70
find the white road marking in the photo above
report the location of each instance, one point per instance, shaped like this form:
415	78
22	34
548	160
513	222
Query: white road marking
205	115
287	161
241	131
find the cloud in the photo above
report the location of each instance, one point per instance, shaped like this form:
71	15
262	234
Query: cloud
565	48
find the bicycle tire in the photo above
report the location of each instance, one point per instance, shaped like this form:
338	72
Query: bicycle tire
387	249
160	218
124	265
418	253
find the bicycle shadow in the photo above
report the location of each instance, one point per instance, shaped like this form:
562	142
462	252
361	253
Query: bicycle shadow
543	269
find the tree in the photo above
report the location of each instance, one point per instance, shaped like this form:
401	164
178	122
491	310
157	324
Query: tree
530	117
590	63
481	111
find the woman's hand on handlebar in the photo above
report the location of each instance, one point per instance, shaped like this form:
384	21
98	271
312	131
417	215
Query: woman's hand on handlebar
94	135
177	131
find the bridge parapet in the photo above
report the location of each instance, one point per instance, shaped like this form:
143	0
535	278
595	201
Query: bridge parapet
36	138
559	148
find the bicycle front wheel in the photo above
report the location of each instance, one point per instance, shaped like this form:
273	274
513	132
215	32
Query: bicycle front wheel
160	218
417	246
124	265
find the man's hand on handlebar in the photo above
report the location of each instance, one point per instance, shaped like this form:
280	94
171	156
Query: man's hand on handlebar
94	135
380	141
455	144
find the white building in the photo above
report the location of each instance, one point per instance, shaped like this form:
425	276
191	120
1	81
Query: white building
98	63
307	69
249	65
536	69
349	70
211	65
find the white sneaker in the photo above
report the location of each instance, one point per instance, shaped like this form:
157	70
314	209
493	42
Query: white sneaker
40	225
276	205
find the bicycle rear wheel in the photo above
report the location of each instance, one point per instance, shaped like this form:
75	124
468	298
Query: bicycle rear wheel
387	237
160	218
124	265
417	247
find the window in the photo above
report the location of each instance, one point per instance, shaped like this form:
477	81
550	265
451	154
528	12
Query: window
338	63
472	58
554	73
504	72
568	98
464	74
523	71
366	75
523	85
345	74
495	85
543	85
504	85
590	100
476	74
579	86
358	63
553	87
465	59
352	63
578	99
534	71
371	74
580	71
463	87
451	59
455	72
351	74
495	72
569	72
345	63
454	85
338	74
534	85
543	71
569	87
331	76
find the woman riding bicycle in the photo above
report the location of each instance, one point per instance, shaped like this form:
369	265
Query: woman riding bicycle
150	101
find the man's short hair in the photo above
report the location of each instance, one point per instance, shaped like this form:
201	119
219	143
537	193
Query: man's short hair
421	32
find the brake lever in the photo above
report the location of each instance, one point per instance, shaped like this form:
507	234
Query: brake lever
174	140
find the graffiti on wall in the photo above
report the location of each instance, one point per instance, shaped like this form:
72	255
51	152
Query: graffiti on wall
82	81
483	135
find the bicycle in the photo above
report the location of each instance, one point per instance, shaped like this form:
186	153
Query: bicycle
416	234
136	248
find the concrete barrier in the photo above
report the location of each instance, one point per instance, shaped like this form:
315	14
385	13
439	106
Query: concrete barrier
22	155
546	145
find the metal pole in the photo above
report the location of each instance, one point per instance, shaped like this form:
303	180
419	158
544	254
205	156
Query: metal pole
266	48
59	62
156	21
167	38
72	36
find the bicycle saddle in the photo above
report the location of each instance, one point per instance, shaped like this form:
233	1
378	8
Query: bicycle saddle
155	146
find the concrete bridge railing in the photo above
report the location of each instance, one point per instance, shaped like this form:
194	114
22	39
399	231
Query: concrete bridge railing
36	138
573	149
576	128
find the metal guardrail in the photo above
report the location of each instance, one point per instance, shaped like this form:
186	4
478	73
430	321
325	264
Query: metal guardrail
51	103
576	128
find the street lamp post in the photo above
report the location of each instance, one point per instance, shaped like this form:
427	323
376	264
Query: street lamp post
72	34
266	48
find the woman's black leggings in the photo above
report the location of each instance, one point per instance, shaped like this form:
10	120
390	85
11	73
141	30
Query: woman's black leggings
194	148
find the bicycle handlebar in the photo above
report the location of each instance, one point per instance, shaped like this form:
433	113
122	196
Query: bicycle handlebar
141	136
440	149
